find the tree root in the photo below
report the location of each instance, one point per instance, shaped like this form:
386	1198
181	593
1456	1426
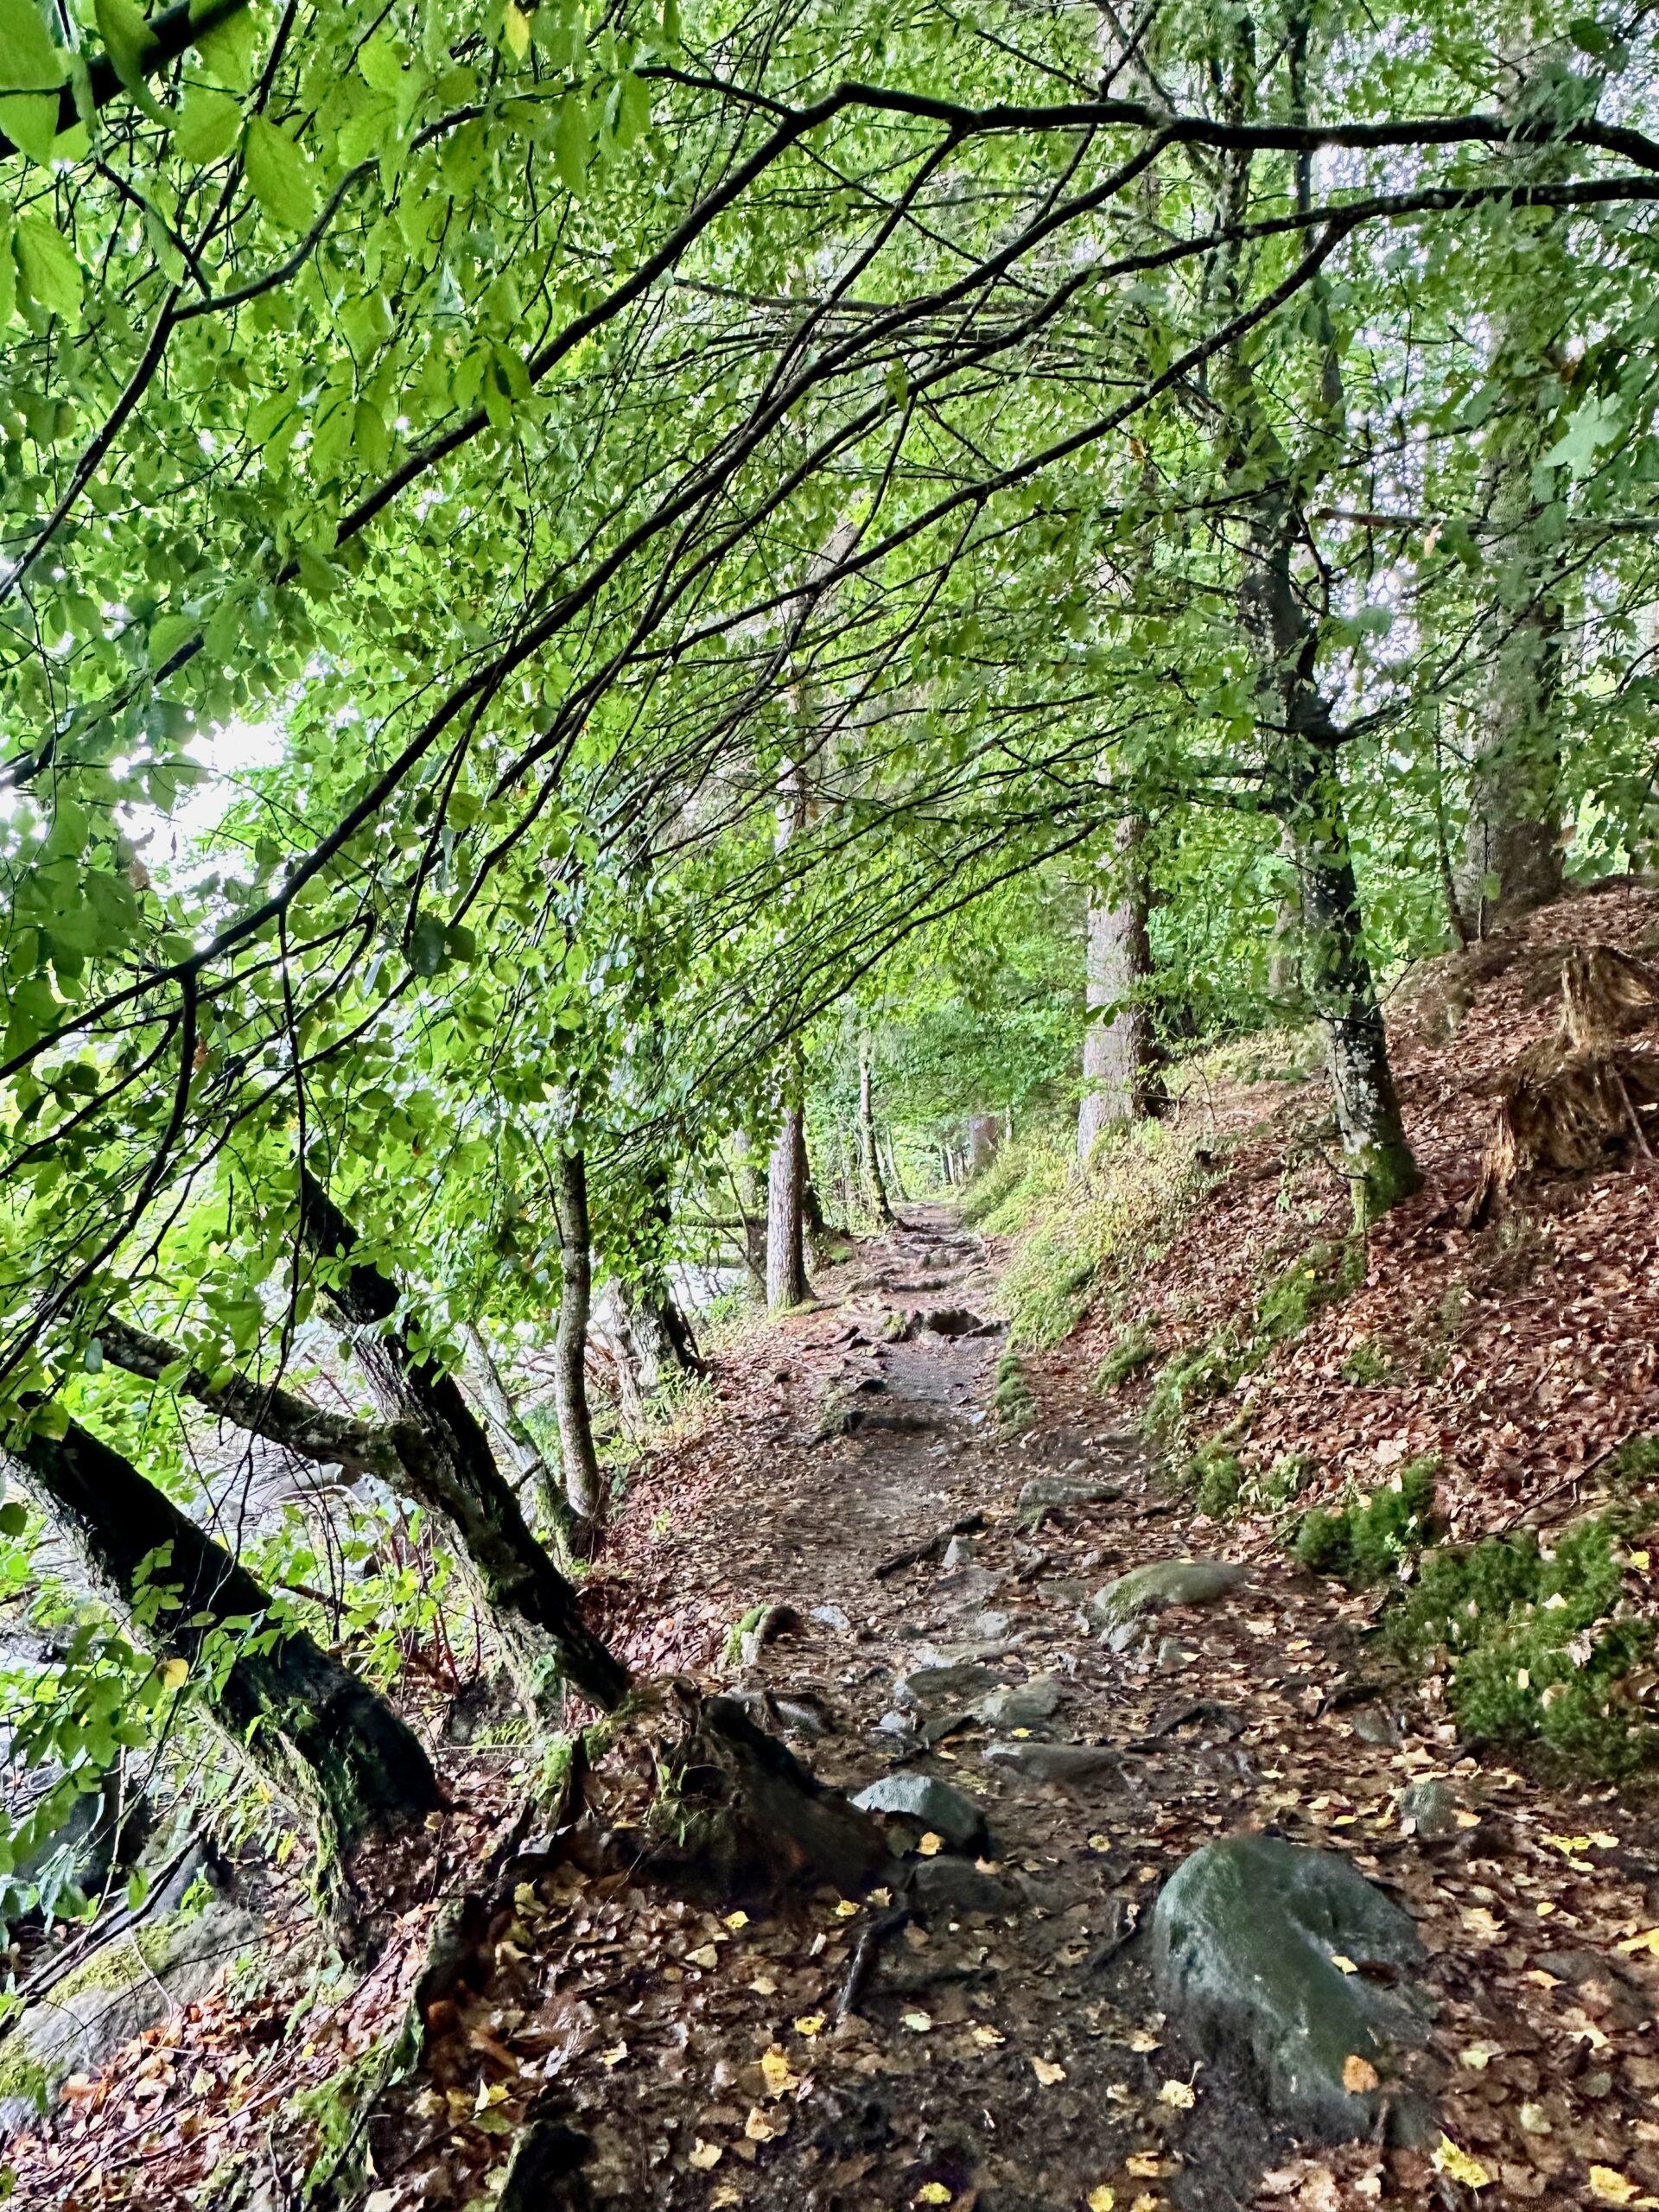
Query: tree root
1585	1097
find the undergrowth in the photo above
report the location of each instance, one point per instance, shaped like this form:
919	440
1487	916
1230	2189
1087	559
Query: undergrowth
1012	1395
1075	1225
1284	1305
1543	1641
1368	1541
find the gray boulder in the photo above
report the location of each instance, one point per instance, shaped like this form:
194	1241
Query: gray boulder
964	1678
1043	1493
1429	1810
1167	1582
1244	1940
1020	1705
1056	1762
930	1802
125	1986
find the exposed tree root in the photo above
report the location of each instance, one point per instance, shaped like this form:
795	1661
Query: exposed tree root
1586	1096
717	1808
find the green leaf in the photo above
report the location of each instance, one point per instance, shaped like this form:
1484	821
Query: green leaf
93	1359
428	948
47	263
30	121
30	61
127	39
280	176
572	141
8	271
228	51
13	1518
207	124
318	574
167	633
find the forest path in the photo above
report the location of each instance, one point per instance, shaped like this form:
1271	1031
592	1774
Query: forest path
1273	1709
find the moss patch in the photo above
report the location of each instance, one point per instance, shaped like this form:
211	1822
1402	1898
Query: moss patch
1542	1641
1011	1393
1368	1541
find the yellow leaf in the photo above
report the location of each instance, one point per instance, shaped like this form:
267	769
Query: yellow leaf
705	2156
176	1673
516	29
929	1847
988	2038
764	1985
932	2192
1359	2074
1102	2199
810	2023
1477	2057
1047	2072
918	2022
1647	1941
1145	2202
1342	1964
1146	2165
725	2195
1640	1560
737	1920
1100	1843
1450	2159
1608	2186
1141	2041
1179	2093
705	1955
758	2127
1572	1845
1603	1841
777	2072
614	2056
845	1910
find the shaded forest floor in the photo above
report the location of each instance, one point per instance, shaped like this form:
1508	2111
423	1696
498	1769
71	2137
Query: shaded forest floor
1006	2052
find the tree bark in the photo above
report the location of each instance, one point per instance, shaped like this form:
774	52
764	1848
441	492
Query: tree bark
326	1740
584	1487
786	1283
869	1155
1119	1054
450	1468
510	1425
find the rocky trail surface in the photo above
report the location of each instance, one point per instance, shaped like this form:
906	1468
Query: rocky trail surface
1056	1691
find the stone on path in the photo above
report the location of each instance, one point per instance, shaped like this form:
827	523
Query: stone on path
1429	1811
1021	1704
831	1616
1055	1762
1041	1492
1165	1582
928	1685
1245	1937
932	1803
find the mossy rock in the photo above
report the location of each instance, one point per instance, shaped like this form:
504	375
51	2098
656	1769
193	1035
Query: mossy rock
1167	1582
1245	1940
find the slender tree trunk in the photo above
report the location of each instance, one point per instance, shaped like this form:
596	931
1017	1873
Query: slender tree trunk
325	1739
510	1427
786	1282
1119	1055
450	1469
583	1486
895	1180
869	1155
1284	952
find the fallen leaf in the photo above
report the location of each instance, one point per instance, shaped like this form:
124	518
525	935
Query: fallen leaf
1449	2158
737	1920
1342	1964
1047	2072
723	2195
1142	2042
1179	2093
918	2022
1477	2057
930	1847
846	1909
1359	2074
764	1985
705	1955
758	2128
777	2072
1148	2165
988	2038
1647	1941
1102	2199
705	2156
614	2056
1609	2186
932	2192
810	2023
1534	2119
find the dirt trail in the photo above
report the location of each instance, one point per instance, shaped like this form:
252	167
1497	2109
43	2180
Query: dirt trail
1006	2053
1270	1709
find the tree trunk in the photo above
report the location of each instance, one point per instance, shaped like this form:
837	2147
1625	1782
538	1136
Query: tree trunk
1284	953
870	1156
583	1486
984	1139
450	1468
510	1425
326	1740
786	1283
1119	1057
